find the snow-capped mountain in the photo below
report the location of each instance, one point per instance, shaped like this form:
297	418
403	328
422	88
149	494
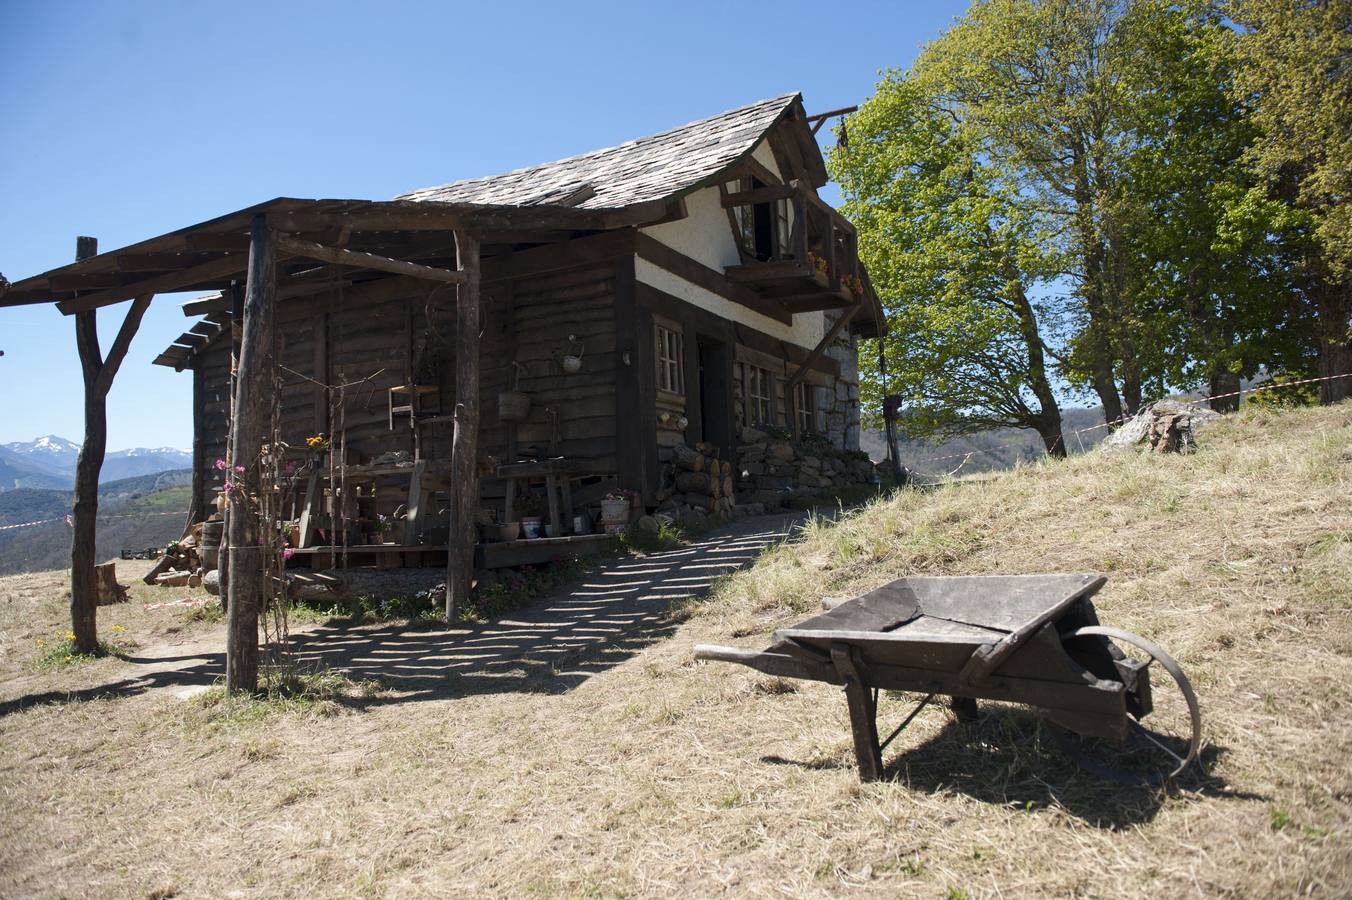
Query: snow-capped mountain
49	462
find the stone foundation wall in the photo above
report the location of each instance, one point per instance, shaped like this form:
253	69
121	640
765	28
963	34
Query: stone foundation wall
772	470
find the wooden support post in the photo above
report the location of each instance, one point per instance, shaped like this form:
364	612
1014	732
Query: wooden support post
465	441
863	711
890	416
98	379
251	425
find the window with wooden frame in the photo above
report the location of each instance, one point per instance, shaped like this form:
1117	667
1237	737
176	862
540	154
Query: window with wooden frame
670	359
762	229
760	394
804	407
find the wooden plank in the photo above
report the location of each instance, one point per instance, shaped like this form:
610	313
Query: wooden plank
341	257
215	269
628	417
566	255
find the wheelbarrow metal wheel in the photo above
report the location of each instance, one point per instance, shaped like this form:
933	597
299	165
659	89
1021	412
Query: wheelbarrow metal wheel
1077	747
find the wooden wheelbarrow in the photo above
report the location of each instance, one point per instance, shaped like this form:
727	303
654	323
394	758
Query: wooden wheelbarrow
1029	639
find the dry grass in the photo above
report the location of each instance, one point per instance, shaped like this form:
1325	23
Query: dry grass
661	776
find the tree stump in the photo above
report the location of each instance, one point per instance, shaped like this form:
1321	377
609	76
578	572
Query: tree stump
107	589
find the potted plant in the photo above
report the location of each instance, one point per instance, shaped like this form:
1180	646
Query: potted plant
617	505
532	507
384	525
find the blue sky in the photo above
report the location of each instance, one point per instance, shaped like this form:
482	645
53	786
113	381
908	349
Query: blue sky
128	120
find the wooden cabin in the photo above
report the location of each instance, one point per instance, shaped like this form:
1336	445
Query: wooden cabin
673	289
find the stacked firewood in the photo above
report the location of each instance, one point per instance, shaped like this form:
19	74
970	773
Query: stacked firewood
699	480
181	565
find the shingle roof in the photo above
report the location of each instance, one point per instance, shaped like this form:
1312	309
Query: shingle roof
650	168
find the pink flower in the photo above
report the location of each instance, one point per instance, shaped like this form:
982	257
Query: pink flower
288	553
220	465
239	470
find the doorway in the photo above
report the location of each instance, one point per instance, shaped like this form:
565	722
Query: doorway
715	392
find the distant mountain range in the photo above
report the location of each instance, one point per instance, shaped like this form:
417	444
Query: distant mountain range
48	462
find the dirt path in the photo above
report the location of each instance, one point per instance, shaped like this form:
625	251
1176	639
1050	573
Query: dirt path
564	637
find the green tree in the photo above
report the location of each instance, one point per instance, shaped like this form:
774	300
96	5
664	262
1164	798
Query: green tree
1296	73
956	256
1211	267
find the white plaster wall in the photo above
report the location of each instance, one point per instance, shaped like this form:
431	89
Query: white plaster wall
806	331
706	235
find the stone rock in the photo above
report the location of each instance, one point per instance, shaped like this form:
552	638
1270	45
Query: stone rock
647	523
753	435
1168	425
694	520
211	582
780	451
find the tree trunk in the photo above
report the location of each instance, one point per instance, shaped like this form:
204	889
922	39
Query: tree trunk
84	516
1048	419
465	441
1334	304
252	424
1224	391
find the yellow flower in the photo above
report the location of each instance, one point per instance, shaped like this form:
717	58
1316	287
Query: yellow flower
41	642
118	628
70	635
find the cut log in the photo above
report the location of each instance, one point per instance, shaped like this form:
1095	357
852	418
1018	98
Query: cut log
687	458
714	468
108	590
161	566
728	486
727	469
692	482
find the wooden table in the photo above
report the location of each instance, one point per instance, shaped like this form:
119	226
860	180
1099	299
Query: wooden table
555	472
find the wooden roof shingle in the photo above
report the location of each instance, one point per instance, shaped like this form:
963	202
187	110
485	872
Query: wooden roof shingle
659	167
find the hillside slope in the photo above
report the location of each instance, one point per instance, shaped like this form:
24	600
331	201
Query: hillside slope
640	772
135	513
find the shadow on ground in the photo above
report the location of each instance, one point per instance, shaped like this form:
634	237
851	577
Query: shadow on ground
552	646
1008	758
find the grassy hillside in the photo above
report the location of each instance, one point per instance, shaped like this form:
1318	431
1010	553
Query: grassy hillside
138	512
660	776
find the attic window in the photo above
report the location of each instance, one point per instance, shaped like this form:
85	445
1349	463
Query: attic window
763	229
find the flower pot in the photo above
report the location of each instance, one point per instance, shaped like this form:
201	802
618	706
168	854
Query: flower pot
552	530
615	510
530	527
509	531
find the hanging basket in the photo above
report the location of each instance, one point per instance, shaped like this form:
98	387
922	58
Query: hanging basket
513	406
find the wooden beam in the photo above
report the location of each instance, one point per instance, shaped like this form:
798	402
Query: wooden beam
217	268
340	257
246	583
695	272
212	303
758	195
818	350
465	439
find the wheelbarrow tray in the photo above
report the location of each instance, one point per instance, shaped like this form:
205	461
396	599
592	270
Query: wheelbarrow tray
974	637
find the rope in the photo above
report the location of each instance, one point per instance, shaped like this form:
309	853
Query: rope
1266	386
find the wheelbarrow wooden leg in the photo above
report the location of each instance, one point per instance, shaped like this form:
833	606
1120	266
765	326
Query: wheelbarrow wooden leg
863	712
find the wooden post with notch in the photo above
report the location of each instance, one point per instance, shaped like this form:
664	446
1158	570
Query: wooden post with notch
99	372
465	442
252	421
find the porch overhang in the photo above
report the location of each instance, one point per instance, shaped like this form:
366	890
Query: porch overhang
211	255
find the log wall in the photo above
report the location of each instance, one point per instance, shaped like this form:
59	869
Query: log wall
397	331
